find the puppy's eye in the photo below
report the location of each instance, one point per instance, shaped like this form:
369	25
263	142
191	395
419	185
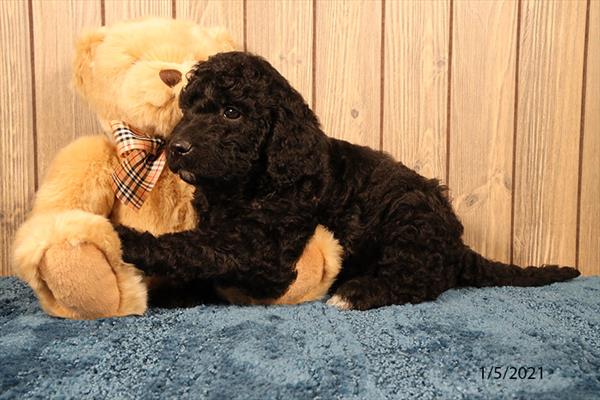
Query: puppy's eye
231	113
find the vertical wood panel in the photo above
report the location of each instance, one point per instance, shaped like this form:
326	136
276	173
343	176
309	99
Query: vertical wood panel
347	72
226	13
117	10
62	115
482	110
589	233
348	69
16	128
547	148
286	40
416	84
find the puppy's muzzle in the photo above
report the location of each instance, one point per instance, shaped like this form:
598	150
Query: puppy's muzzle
177	153
180	148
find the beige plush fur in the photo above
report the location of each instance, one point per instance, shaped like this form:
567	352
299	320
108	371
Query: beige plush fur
67	250
314	279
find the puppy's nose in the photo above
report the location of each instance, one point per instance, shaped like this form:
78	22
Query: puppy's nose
170	76
181	147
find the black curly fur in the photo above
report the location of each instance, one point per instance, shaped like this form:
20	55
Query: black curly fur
267	178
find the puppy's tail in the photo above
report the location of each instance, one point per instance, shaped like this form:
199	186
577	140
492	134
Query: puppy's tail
478	271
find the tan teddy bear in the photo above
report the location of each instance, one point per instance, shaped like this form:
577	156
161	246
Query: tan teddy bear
131	74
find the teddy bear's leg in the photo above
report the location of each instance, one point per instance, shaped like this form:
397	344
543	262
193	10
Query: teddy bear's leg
317	269
72	261
94	294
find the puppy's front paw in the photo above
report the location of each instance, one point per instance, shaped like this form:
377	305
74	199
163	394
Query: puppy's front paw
339	302
134	244
127	235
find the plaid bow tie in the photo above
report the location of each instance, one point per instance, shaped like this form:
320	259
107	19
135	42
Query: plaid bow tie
143	160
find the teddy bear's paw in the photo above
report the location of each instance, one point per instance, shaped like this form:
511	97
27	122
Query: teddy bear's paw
81	280
339	302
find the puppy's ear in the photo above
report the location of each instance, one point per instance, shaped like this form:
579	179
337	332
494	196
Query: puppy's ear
297	146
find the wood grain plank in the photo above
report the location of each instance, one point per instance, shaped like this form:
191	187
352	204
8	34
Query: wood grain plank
589	228
348	69
416	84
482	122
225	13
286	41
548	124
61	114
118	10
17	176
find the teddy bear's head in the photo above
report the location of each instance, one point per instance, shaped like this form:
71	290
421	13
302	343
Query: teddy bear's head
134	71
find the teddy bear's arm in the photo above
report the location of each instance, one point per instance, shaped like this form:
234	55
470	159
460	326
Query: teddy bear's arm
79	178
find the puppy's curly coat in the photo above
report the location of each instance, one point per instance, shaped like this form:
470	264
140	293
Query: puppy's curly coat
267	175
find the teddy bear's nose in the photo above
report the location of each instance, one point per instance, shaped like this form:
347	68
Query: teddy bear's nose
170	76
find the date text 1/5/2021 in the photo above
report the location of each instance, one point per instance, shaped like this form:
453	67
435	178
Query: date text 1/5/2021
509	372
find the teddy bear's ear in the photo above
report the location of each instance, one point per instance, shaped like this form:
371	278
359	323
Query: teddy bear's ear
221	36
85	49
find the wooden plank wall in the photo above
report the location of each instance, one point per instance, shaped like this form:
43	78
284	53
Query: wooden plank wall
500	99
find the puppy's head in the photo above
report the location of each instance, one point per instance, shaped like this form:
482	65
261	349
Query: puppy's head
241	117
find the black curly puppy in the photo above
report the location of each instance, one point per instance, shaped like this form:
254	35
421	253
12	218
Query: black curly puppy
268	175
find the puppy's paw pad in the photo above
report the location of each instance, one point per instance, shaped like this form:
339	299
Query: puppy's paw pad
339	302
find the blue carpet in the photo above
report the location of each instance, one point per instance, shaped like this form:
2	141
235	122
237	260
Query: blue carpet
427	351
